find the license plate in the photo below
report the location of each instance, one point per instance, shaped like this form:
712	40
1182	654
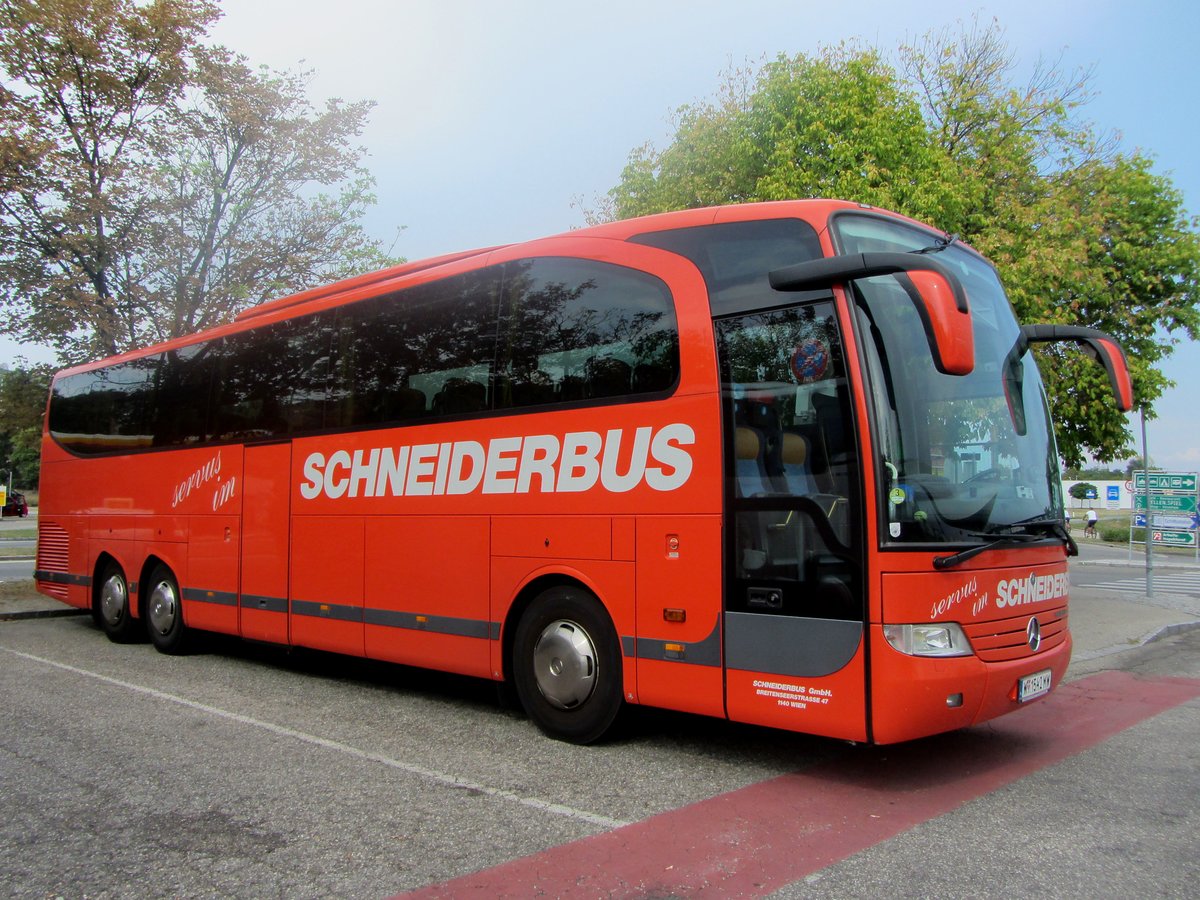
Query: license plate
1033	686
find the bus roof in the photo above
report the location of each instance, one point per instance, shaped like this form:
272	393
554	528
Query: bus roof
358	281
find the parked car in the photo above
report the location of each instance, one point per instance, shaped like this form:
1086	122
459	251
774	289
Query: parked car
15	506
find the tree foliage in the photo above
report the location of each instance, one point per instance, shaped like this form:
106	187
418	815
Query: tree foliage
240	226
1081	233
1081	490
1138	464
151	185
23	394
1093	473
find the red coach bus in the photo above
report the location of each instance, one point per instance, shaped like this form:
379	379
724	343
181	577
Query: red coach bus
787	463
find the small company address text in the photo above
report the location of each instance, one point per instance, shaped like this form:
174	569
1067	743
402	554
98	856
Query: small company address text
794	696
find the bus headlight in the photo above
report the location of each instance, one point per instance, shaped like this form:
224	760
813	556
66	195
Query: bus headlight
942	639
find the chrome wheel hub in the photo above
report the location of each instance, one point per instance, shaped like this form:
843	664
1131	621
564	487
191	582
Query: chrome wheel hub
565	664
114	600
163	607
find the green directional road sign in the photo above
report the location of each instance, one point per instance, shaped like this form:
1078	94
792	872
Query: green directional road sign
1175	538
1166	481
1167	503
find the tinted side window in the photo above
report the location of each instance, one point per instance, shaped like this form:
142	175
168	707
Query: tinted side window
561	330
106	409
736	257
68	409
579	330
183	399
273	380
425	351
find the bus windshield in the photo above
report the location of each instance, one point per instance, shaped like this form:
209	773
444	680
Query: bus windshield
961	457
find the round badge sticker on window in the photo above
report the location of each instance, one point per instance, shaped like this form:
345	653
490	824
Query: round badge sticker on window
810	361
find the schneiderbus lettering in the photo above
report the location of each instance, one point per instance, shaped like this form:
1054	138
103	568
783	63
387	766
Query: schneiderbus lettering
574	462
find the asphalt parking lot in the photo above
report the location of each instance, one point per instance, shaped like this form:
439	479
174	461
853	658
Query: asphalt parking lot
250	770
244	770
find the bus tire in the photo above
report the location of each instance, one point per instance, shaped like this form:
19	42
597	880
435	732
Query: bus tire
164	612
566	665
112	609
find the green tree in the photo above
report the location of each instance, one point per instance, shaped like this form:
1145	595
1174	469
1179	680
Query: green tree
1135	465
1100	474
235	221
1081	233
836	125
1081	490
23	393
151	185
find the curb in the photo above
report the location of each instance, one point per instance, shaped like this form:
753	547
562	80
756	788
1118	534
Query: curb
1165	632
1162	633
41	614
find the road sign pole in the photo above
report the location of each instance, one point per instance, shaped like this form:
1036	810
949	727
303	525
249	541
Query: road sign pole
1132	522
1149	515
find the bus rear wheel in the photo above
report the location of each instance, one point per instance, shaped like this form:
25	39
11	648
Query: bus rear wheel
112	610
566	665
164	612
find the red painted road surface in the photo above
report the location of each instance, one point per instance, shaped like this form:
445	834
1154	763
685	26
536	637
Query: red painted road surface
755	840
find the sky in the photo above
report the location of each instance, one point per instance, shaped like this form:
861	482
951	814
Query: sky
495	121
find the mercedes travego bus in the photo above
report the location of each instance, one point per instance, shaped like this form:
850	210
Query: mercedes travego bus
788	464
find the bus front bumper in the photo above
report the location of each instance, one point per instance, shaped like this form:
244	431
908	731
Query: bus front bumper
913	697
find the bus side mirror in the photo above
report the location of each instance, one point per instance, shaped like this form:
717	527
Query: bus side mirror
935	291
1098	345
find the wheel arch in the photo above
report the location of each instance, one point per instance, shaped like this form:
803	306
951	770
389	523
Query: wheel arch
565	661
525	596
168	631
149	564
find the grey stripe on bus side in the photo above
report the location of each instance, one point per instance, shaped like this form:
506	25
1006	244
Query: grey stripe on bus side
265	604
62	578
790	645
408	621
437	624
339	611
699	653
221	598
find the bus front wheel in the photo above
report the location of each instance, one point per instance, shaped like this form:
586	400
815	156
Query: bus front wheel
112	611
567	665
164	613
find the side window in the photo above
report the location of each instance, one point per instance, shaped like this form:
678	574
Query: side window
456	353
425	351
273	380
735	258
784	386
582	330
69	421
182	400
792	467
107	409
373	358
562	330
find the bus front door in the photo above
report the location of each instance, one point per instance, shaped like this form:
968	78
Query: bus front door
794	611
266	500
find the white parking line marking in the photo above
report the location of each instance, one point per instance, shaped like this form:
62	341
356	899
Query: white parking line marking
445	778
1181	584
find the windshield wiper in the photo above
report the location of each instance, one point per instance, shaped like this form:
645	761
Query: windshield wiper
1053	527
939	245
992	542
